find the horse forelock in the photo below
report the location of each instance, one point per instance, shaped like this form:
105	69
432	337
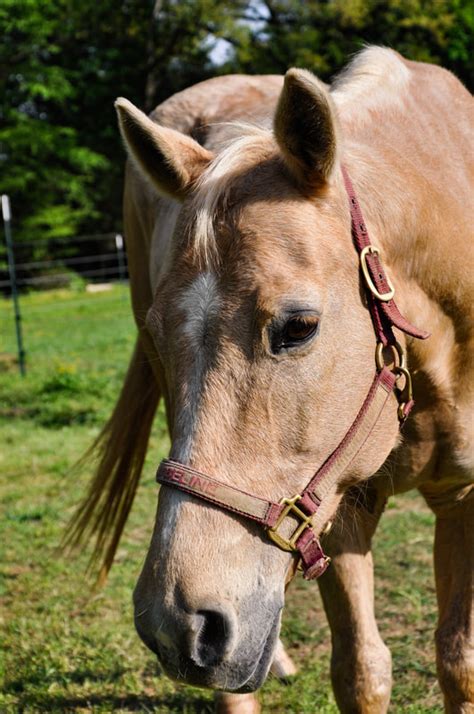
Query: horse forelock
376	78
250	148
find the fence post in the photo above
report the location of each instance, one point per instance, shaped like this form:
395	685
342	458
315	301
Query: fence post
11	269
121	257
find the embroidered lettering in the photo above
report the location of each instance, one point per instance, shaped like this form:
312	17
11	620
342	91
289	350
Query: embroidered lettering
193	481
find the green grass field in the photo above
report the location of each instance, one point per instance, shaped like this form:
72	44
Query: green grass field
66	648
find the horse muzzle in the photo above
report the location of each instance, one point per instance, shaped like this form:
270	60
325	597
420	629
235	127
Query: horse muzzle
212	645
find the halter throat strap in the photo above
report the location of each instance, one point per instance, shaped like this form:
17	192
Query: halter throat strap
293	524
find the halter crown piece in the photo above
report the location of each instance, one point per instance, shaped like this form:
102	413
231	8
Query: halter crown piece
293	523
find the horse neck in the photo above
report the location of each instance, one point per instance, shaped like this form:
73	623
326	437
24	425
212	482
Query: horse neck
420	224
424	244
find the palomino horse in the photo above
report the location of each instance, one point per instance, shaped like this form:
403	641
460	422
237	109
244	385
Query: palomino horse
246	203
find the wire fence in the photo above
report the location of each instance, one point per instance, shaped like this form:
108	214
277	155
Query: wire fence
104	261
75	269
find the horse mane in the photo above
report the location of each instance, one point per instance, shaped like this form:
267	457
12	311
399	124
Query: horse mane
376	77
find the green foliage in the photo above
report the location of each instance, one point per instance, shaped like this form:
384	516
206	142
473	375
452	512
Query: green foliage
63	63
47	172
322	34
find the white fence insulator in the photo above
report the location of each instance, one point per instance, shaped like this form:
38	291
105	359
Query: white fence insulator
6	208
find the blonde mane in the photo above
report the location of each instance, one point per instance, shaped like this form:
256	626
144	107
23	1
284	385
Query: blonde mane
375	78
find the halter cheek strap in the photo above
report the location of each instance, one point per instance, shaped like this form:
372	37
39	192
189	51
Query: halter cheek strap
380	291
293	524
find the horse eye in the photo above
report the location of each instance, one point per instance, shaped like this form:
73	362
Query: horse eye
296	331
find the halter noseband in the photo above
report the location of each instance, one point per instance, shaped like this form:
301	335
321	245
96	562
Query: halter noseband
308	511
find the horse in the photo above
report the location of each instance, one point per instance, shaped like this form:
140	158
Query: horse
258	322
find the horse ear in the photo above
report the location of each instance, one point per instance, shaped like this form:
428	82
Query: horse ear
306	128
170	159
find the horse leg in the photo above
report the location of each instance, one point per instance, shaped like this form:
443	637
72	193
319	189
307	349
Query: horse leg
227	703
282	665
454	568
360	663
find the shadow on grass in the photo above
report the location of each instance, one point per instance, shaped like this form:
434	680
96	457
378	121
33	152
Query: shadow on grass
40	678
178	703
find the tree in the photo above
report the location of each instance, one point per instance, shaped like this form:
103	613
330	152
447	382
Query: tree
322	34
63	63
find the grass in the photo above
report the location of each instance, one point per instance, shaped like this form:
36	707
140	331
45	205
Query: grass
67	648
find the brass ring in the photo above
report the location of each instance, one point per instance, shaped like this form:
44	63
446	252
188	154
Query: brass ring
398	355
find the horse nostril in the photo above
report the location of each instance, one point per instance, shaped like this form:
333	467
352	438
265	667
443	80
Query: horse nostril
214	638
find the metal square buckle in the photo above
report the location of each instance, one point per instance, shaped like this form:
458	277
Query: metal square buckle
290	508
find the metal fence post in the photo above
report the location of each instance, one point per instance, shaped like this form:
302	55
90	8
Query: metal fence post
11	269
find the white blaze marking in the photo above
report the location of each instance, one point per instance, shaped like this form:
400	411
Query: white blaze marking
200	303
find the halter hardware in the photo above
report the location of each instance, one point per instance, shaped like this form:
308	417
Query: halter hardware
404	393
398	353
391	369
384	297
290	507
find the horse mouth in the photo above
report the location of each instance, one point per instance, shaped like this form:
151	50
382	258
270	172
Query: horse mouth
259	674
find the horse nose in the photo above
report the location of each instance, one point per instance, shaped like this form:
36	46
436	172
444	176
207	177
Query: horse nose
213	635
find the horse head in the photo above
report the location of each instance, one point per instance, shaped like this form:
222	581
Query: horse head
265	349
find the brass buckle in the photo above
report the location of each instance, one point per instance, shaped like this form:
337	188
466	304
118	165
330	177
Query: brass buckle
290	507
385	297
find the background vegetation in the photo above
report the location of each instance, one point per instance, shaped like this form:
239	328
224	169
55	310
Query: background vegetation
63	63
65	648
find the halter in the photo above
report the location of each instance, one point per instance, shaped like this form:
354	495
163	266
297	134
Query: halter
308	511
